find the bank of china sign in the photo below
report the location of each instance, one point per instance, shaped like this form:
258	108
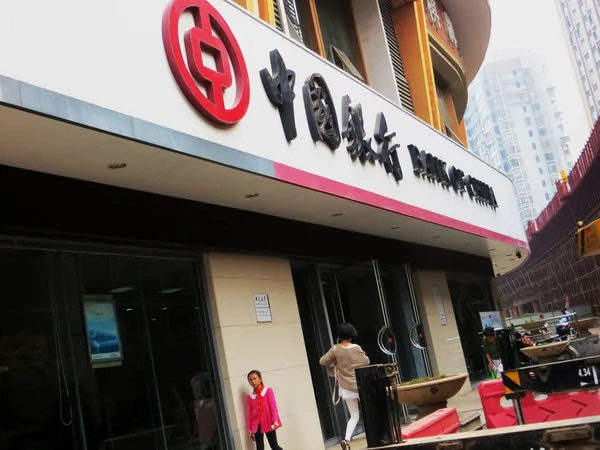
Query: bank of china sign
213	35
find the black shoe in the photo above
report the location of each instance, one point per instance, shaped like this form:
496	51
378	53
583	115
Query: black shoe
345	445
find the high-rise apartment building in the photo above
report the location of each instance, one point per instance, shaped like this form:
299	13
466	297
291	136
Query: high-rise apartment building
581	24
513	122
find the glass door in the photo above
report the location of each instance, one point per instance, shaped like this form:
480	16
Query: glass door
316	295
413	362
363	304
404	316
379	302
142	374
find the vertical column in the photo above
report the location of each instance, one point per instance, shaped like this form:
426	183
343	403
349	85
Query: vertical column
462	133
247	4
411	31
443	340
266	11
275	348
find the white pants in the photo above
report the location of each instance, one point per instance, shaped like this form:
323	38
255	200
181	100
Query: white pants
498	365
352	405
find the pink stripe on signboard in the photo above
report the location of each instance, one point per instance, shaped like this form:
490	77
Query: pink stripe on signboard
315	182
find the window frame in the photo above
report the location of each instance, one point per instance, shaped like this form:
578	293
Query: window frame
307	9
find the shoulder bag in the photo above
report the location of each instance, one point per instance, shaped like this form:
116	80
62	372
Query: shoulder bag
335	395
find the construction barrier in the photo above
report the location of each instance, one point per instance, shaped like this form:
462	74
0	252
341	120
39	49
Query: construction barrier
443	421
554	407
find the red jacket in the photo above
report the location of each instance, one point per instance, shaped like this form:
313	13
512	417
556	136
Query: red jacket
270	414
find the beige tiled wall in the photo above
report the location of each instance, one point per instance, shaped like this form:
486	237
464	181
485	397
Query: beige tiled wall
276	349
443	341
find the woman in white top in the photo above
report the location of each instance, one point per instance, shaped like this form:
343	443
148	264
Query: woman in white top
345	357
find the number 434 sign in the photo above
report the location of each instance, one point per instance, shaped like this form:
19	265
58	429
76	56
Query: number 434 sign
588	375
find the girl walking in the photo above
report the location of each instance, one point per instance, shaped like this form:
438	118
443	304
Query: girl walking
343	358
263	416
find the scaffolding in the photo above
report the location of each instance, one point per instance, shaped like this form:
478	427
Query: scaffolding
555	275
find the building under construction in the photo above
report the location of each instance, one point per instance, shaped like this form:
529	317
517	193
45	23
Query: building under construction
555	274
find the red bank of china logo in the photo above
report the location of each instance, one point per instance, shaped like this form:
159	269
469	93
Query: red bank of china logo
225	50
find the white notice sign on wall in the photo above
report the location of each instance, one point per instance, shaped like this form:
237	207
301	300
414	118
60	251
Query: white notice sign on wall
439	304
263	308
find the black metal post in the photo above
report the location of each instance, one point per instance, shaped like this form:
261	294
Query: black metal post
504	340
377	405
519	415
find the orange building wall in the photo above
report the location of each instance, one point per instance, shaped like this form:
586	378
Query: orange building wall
462	133
448	100
441	33
247	4
411	32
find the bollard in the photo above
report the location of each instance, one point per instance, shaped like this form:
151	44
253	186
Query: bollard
378	394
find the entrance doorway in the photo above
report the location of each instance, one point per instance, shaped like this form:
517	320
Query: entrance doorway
469	298
369	296
104	352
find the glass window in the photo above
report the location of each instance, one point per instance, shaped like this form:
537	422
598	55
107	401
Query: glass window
540	171
35	374
116	355
537	158
336	26
530	133
543	183
160	396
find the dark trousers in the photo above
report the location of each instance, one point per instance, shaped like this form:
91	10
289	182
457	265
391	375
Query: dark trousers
271	437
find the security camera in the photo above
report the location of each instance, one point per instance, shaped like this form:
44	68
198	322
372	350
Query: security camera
519	255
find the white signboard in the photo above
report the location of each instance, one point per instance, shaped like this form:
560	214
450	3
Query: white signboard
263	308
490	319
439	304
135	46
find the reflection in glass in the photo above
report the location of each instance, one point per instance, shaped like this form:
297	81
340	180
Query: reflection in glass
184	388
119	401
35	395
58	391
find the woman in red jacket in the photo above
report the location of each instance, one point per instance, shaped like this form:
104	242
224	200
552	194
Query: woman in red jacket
263	416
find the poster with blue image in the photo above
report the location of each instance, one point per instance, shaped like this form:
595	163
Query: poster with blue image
102	331
491	319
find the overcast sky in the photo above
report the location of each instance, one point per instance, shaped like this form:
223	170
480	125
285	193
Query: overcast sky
533	25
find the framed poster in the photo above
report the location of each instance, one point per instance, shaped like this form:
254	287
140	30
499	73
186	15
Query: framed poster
490	319
102	329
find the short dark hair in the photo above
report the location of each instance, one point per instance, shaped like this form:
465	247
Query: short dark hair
488	332
347	331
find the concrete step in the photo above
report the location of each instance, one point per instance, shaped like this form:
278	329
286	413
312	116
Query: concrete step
471	421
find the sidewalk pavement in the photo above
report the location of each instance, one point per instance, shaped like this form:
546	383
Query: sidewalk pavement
467	405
